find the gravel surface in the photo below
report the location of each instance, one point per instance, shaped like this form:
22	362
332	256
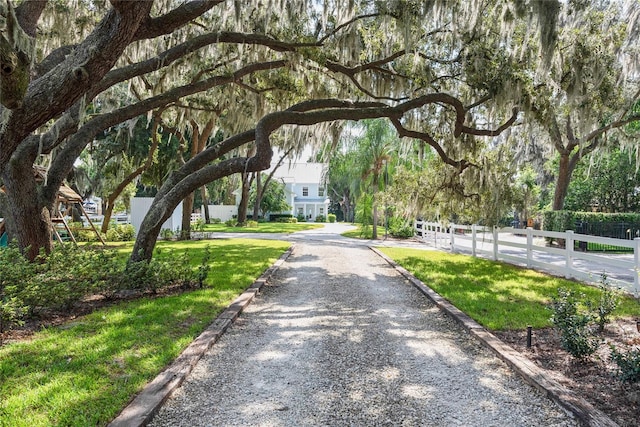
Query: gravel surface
339	338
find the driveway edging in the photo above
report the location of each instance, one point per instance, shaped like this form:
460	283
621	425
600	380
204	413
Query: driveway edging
146	403
579	408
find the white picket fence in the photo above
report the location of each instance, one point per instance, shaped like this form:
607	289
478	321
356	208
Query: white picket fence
526	247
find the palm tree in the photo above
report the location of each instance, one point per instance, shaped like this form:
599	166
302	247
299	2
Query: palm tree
376	147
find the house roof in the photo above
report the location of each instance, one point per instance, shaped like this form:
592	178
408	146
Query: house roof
301	173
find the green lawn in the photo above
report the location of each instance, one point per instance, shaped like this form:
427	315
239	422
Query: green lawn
360	233
498	296
83	373
264	227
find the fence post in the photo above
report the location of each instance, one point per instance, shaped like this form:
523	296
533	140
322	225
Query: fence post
452	231
636	259
529	247
495	242
473	239
569	253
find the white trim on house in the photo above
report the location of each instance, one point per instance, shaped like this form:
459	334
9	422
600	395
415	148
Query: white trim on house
300	176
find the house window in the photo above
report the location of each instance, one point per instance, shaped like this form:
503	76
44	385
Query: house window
321	211
300	211
305	191
320	191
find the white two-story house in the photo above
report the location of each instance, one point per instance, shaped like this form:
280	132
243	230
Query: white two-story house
305	188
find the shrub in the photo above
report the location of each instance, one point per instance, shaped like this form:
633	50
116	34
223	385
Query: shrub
331	218
288	220
166	233
230	223
204	267
121	233
606	304
321	218
59	280
301	218
251	224
164	269
14	269
198	225
215	220
399	227
628	364
576	336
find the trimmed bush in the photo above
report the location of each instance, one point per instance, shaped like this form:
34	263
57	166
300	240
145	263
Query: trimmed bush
289	220
331	218
576	336
628	363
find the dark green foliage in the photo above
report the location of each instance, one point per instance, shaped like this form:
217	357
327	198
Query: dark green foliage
203	268
559	220
70	274
301	218
273	199
287	220
609	181
399	227
165	269
628	364
576	335
566	220
321	218
13	267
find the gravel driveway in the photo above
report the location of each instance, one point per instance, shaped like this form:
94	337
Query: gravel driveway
339	338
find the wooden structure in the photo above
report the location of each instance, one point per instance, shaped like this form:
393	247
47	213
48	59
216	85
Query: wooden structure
64	206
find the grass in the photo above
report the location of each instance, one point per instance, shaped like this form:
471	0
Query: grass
498	296
361	233
264	227
83	373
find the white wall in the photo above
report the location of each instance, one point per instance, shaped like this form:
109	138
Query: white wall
139	208
224	212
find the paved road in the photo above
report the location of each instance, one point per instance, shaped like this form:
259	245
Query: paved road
339	338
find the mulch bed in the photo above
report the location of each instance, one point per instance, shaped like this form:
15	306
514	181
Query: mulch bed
593	379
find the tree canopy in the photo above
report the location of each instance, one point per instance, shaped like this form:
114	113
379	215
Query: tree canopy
452	75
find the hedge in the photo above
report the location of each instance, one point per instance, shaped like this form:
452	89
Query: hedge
566	220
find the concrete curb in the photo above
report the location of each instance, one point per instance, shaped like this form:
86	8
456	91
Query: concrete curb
144	406
574	405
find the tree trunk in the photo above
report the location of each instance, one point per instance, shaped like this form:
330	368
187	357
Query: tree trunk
562	183
187	208
261	188
244	199
259	193
108	212
29	220
374	208
205	203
